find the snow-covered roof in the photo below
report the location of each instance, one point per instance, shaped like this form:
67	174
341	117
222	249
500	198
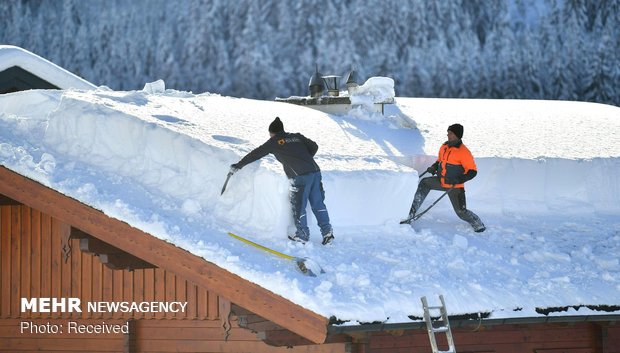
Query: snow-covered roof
547	190
11	56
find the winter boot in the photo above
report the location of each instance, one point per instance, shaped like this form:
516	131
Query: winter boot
479	227
328	238
410	218
297	238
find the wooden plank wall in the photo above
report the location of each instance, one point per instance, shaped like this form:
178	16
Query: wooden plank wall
153	336
33	265
540	338
13	339
208	336
610	335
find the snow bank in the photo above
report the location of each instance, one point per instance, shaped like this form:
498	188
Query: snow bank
374	90
158	161
526	129
186	155
532	156
551	185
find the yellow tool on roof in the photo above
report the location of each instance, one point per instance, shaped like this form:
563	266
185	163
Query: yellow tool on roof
305	265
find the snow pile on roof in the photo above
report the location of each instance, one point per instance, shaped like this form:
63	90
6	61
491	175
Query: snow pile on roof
374	90
547	189
11	56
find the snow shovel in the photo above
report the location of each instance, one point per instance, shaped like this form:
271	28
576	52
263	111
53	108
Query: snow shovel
306	266
226	182
408	220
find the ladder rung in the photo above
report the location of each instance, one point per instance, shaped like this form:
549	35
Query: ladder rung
442	327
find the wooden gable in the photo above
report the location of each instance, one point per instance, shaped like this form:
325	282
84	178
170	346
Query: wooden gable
39	260
165	271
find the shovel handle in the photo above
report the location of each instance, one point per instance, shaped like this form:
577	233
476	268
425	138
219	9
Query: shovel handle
264	248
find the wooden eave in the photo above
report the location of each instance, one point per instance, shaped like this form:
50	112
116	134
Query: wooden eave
263	303
7	201
109	255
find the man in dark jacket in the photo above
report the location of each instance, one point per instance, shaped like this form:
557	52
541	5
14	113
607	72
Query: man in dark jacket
454	166
296	152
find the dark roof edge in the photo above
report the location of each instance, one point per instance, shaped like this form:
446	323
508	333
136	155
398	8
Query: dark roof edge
469	324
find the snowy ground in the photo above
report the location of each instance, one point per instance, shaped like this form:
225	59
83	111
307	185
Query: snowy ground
547	190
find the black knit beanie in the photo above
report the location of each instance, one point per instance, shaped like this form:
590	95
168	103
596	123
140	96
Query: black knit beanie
457	129
276	126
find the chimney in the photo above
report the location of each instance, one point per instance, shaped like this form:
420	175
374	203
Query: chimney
316	84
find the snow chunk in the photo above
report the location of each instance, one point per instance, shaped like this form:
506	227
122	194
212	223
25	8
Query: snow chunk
155	87
47	165
374	90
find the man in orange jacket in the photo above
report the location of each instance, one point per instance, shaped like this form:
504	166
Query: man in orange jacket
454	166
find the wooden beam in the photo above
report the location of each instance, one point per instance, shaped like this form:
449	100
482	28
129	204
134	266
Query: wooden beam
239	311
225	313
252	319
7	201
271	306
282	338
78	234
130	339
124	261
96	246
286	338
263	326
111	256
276	335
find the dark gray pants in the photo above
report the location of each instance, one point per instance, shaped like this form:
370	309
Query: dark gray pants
457	198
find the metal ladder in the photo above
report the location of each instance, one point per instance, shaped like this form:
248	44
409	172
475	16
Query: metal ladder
442	327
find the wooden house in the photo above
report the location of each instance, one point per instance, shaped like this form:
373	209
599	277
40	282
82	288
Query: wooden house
21	70
54	247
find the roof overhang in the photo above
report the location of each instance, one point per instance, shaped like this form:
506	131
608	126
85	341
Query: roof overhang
274	308
473	323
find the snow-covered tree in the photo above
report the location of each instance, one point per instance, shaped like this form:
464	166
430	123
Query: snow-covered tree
547	49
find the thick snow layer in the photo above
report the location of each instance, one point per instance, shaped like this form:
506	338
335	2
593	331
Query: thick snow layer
14	56
547	190
529	129
374	90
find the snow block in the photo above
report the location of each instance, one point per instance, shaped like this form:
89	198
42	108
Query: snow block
373	197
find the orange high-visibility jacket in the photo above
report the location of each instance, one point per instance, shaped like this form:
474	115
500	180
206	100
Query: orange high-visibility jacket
455	165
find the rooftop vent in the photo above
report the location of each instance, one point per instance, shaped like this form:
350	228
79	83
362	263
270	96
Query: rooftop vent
316	84
331	81
352	80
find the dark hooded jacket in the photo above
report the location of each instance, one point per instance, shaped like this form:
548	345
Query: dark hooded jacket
293	150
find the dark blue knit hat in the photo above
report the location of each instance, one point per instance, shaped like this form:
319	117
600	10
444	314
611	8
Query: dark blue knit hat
457	129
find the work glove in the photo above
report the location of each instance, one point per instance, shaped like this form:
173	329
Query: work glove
432	169
234	168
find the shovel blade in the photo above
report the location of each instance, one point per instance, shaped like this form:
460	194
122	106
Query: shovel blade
301	265
226	183
309	267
